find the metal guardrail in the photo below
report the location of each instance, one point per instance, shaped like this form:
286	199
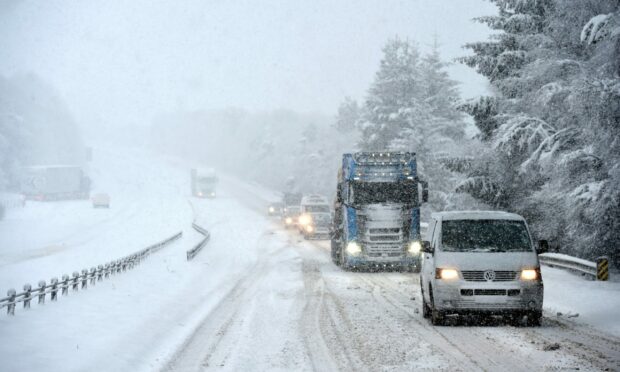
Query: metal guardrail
596	270
207	236
78	279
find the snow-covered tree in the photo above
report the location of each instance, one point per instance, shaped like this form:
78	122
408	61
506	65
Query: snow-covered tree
348	116
552	130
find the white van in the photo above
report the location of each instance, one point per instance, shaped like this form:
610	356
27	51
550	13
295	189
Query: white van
481	262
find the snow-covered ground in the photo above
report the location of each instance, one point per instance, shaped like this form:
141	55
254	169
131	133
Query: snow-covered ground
257	297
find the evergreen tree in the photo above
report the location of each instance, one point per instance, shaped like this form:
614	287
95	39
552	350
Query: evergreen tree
553	127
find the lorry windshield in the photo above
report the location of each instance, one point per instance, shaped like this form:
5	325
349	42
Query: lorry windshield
484	236
316	208
384	192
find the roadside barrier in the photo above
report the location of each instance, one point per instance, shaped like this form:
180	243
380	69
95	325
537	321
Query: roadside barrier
598	270
77	279
207	236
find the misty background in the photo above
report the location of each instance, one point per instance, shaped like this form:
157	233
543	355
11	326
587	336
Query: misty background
522	119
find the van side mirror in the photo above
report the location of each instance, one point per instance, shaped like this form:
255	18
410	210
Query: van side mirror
426	247
424	191
543	247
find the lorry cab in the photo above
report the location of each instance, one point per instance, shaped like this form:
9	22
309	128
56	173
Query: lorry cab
315	217
480	262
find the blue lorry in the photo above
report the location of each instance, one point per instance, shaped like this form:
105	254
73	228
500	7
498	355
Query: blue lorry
376	220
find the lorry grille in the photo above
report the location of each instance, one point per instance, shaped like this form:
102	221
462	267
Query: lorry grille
500	276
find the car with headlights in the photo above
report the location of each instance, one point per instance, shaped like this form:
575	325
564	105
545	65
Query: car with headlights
290	216
275	209
481	262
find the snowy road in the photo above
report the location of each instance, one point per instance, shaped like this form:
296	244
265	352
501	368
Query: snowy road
258	297
295	310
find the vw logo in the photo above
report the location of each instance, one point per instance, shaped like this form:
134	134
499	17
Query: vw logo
489	275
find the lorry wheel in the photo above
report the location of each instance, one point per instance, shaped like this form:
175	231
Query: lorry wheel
534	318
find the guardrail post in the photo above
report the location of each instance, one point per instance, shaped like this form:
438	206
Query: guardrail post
65	285
41	292
27	295
602	268
10	309
93	275
54	291
99	273
84	278
76	280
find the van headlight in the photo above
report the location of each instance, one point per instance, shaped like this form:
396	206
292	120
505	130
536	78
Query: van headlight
354	249
415	247
288	220
309	228
446	274
271	209
530	274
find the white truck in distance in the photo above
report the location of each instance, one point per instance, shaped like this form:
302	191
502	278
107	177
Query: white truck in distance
203	182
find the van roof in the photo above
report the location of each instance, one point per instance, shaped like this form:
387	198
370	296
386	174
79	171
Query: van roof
476	215
314	199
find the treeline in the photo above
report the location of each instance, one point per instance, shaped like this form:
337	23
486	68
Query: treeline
548	145
35	128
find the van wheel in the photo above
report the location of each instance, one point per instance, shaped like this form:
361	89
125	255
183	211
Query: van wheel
437	317
426	311
534	318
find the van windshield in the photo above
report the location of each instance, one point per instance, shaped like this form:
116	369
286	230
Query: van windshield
484	236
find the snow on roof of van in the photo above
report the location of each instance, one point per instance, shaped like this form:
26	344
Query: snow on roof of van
476	215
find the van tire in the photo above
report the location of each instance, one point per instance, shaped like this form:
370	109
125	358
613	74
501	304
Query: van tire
437	316
426	310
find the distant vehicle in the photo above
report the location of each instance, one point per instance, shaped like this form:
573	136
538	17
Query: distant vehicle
101	200
54	182
275	209
481	262
203	182
377	215
290	216
291	199
315	217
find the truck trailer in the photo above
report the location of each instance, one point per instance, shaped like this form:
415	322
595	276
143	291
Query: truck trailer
377	211
54	182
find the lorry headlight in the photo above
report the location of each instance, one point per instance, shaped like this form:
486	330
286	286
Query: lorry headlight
309	228
304	219
354	249
415	247
288	220
446	274
529	274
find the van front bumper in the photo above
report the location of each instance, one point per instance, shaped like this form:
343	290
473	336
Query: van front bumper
490	297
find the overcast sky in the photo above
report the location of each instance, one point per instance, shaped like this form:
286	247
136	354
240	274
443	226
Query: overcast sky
118	62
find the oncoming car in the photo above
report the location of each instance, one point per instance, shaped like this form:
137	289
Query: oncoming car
290	216
481	262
